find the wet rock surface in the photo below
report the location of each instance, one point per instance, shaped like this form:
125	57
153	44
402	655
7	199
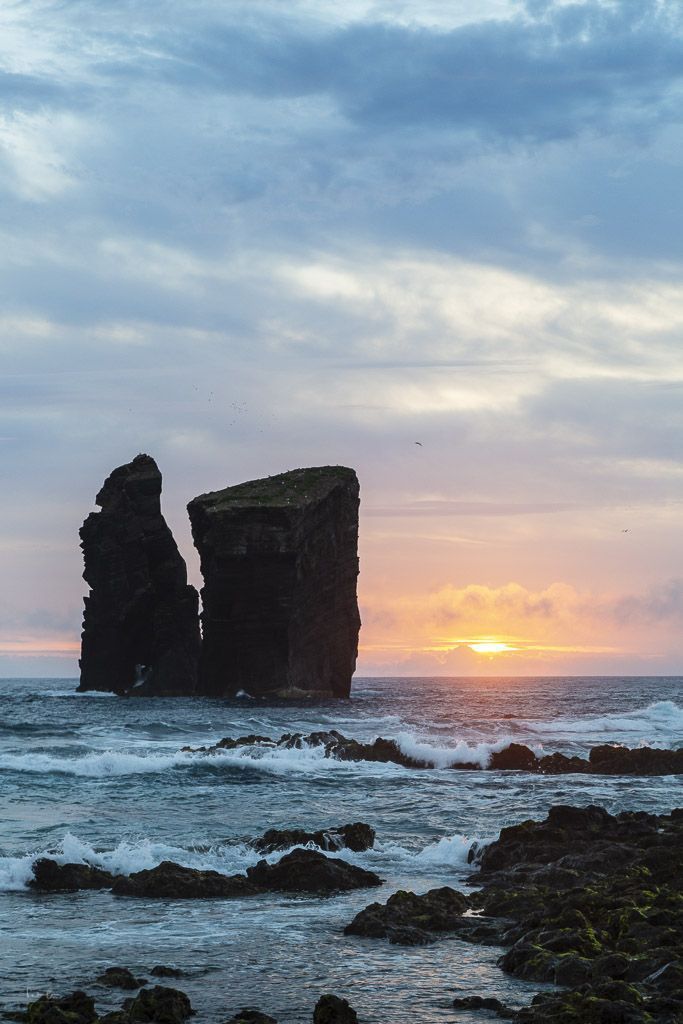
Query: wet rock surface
593	902
589	901
157	1005
279	557
302	870
163	971
603	760
120	977
77	1008
357	837
161	1005
176	882
49	876
331	1009
484	1003
140	624
407	919
307	871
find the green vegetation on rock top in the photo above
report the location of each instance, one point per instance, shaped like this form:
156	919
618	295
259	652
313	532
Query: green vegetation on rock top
297	487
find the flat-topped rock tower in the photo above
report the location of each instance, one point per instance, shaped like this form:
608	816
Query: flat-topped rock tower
279	558
140	625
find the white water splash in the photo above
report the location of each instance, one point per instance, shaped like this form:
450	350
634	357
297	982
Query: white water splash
228	858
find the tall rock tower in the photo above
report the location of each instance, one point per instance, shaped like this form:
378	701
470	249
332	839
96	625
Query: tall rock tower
140	625
279	558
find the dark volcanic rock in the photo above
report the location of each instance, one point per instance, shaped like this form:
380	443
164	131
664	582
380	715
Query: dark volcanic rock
514	757
176	882
280	562
162	971
120	977
616	760
593	902
604	760
140	624
49	876
357	837
333	1010
484	1003
77	1008
159	1005
308	871
409	920
345	749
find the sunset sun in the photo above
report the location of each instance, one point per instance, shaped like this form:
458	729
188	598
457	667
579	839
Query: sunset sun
490	647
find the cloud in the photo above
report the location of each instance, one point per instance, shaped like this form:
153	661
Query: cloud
247	239
582	67
539	627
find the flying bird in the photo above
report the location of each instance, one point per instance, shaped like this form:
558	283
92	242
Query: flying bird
419	442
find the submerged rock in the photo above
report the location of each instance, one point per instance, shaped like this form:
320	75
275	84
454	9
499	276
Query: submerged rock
251	1016
357	837
484	1003
279	558
140	625
120	977
162	971
332	1009
49	876
407	919
310	872
175	882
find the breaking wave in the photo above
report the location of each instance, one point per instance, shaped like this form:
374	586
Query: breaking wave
658	721
108	763
462	752
228	858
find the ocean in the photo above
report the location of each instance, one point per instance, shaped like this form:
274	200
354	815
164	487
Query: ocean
99	779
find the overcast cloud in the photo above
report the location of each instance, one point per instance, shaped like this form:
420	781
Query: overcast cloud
245	237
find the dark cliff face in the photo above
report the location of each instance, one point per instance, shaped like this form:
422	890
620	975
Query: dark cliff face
140	624
280	563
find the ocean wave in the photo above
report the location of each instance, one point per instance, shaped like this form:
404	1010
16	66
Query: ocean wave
227	857
77	693
33	729
462	752
269	760
93	765
659	719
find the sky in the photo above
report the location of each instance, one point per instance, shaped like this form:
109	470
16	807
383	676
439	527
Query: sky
250	235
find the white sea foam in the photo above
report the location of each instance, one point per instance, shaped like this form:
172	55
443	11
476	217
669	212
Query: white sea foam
77	693
228	858
128	856
94	765
658	721
270	760
461	752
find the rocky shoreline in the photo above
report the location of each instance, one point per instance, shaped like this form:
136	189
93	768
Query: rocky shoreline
605	759
585	900
588	901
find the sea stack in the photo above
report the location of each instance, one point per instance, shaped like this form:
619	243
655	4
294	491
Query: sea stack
141	620
279	558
